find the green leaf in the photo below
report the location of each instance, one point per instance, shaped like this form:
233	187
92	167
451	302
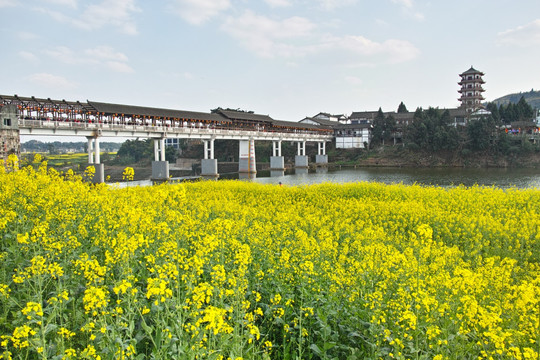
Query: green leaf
316	350
328	345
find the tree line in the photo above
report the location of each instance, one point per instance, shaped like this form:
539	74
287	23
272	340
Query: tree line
56	147
433	129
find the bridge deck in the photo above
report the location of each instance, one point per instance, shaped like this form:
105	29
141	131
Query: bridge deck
193	131
74	118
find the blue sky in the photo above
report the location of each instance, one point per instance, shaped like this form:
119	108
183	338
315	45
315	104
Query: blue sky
285	58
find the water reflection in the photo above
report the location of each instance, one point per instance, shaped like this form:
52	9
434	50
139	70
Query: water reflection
504	178
445	177
301	171
247	176
277	173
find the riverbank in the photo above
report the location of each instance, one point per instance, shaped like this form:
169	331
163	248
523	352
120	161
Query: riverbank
401	157
391	157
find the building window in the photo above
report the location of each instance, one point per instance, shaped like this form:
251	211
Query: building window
7	122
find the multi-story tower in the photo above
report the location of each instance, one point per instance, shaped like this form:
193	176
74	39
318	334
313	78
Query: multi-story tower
471	90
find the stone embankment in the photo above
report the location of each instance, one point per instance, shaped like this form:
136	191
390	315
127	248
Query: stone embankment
405	158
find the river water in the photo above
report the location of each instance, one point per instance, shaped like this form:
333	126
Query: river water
444	177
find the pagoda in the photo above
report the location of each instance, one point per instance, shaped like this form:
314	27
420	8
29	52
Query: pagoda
471	90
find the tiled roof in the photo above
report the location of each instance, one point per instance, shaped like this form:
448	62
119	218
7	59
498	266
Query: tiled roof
457	112
323	122
108	108
363	115
242	115
299	125
472	71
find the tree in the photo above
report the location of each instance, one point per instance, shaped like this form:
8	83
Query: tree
51	149
389	127
378	128
432	130
133	151
512	112
170	154
494	110
479	133
524	110
402	108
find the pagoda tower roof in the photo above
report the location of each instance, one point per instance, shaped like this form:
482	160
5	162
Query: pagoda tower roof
472	70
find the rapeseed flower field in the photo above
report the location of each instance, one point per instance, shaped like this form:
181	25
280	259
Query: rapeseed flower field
237	270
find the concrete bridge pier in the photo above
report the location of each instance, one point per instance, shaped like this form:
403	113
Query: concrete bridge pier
160	166
277	161
209	166
246	158
301	160
94	159
322	158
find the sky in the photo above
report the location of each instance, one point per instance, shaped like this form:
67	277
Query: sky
285	58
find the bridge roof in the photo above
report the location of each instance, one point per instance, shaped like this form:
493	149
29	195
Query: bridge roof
218	115
42	102
242	115
108	108
299	125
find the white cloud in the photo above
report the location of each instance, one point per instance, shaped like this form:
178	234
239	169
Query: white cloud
24	35
118	66
297	37
354	80
334	4
70	3
8	3
105	53
65	55
388	51
187	75
278	3
407	7
199	11
267	37
100	56
418	16
405	3
116	13
28	56
526	35
52	81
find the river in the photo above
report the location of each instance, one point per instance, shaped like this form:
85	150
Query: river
444	177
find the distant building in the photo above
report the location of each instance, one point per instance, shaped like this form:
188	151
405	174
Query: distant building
363	117
318	122
325	119
332	117
349	134
9	132
471	90
352	136
174	142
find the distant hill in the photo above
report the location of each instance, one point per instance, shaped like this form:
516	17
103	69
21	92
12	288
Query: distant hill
532	98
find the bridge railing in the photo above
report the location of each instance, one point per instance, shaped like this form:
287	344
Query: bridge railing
194	129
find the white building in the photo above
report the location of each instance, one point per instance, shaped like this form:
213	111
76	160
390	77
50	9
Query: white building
352	136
